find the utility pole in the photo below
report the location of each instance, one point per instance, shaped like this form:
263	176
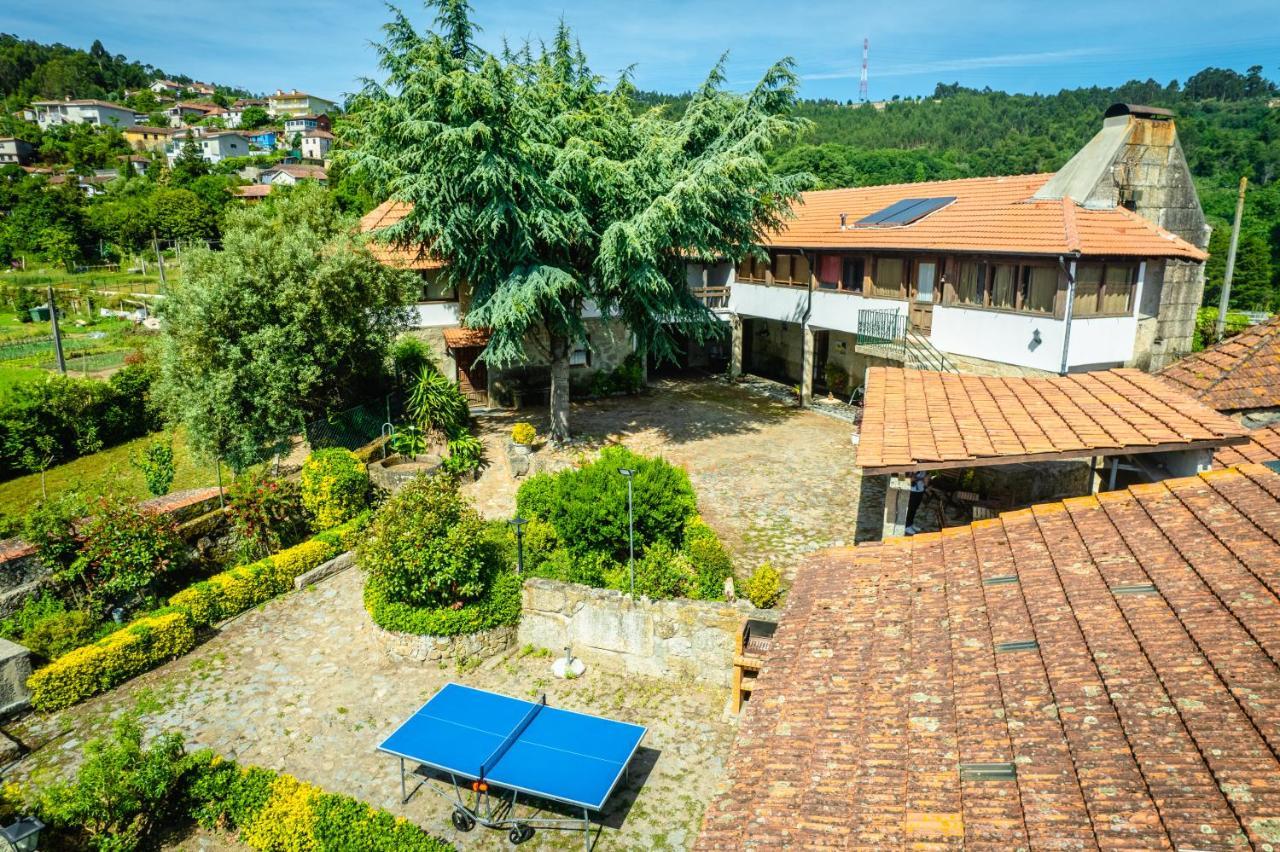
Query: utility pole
1221	328
57	336
155	244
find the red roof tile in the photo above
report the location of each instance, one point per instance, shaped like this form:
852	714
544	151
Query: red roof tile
1125	662
385	215
1263	446
1238	374
466	338
925	420
990	214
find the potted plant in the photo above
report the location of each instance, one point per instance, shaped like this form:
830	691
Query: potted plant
522	437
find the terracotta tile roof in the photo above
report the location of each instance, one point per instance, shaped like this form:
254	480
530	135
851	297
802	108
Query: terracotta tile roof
465	338
385	215
1121	652
1240	373
1263	446
991	214
253	190
298	170
924	420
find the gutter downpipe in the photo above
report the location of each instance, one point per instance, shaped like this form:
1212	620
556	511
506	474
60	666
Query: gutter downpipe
1071	299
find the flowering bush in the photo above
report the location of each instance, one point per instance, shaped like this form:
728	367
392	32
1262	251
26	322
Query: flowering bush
523	433
335	487
764	587
123	550
266	514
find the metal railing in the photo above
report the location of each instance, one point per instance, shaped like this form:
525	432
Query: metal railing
888	334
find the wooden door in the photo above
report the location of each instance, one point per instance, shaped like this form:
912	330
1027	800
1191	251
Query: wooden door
473	375
923	286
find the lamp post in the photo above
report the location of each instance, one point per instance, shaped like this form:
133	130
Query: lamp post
23	835
631	528
519	522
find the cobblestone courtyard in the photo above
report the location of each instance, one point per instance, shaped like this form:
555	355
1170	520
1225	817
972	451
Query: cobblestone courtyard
300	686
775	482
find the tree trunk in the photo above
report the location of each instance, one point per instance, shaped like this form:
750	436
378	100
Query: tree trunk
559	408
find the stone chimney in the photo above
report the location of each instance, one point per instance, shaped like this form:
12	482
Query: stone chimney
1136	162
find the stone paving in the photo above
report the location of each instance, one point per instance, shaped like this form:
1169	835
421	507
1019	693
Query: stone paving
776	482
300	685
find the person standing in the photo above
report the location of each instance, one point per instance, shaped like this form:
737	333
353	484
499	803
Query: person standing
919	482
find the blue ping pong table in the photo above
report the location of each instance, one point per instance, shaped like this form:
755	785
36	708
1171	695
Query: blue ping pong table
483	742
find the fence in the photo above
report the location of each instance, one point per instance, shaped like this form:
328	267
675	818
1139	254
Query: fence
356	426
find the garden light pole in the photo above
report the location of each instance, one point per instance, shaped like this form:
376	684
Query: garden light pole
631	528
519	522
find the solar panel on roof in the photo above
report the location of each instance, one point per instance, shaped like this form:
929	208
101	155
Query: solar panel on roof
903	212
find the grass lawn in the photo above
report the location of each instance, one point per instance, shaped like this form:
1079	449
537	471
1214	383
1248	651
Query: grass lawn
11	377
106	472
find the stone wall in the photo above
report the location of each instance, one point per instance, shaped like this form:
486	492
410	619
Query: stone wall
409	648
690	640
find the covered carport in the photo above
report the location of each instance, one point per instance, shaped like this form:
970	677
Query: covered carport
1116	422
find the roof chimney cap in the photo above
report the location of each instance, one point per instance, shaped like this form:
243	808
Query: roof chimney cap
1138	111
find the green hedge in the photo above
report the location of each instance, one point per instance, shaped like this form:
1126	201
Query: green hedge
245	586
84	672
162	635
273	811
499	606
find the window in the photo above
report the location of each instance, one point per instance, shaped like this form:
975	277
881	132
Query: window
435	288
751	269
1040	287
791	269
969	285
830	271
580	356
887	282
852	274
1117	290
1003	289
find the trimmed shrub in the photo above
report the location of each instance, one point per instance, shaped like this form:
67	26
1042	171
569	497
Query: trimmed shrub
589	569
499	606
588	506
335	487
711	563
266	514
139	647
664	572
764	587
425	547
123	550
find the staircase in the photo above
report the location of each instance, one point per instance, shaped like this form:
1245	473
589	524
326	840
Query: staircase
887	334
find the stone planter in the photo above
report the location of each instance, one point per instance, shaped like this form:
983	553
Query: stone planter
408	648
394	471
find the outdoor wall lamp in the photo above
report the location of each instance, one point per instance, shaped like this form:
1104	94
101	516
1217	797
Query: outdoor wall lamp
23	835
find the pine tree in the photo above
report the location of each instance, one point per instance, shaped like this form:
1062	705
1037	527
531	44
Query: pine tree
543	190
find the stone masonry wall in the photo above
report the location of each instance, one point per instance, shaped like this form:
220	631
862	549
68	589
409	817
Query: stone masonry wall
408	648
689	640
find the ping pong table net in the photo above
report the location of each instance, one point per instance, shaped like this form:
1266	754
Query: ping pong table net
492	760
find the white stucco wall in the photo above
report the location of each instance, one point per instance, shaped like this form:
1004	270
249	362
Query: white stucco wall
779	303
1010	338
839	311
435	315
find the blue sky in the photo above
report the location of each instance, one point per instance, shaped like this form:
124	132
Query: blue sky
322	46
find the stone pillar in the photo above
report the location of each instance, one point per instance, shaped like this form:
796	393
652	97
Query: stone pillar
806	368
896	496
735	357
15	668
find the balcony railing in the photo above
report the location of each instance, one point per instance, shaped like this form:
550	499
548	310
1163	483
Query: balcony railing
715	298
888	334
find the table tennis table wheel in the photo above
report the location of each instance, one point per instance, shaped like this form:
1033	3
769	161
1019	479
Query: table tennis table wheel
520	834
463	821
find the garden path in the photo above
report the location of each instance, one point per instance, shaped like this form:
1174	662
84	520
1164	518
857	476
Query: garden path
775	482
300	685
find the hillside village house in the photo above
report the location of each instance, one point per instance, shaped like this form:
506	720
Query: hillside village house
189	112
87	111
235	114
166	87
303	123
1099	265
215	146
144	138
438	314
297	103
316	144
14	151
290	173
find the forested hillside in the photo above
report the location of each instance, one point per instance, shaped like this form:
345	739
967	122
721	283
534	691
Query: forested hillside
1227	127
